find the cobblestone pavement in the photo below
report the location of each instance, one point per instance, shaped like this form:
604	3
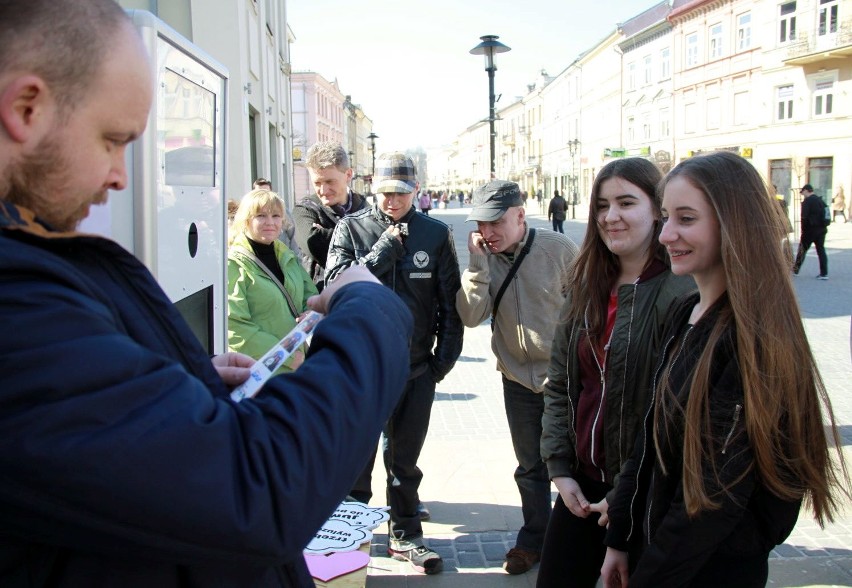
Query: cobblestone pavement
468	460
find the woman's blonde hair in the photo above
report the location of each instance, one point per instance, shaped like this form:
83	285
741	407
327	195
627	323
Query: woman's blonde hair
782	386
251	204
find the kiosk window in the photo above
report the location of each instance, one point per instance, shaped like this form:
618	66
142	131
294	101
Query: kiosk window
189	124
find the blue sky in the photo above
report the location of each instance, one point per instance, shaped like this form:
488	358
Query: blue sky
408	63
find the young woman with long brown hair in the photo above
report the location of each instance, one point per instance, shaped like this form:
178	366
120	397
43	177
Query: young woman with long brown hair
603	352
734	442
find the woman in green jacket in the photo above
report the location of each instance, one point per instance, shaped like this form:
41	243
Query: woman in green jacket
604	348
267	286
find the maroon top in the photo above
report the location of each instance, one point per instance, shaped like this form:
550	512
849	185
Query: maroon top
591	404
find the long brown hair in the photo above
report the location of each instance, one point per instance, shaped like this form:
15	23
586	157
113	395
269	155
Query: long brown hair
782	386
596	267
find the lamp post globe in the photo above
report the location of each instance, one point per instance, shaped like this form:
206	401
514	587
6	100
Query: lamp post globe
489	47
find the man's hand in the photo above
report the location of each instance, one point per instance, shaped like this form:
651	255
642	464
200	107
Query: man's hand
233	368
394	231
355	273
476	243
614	569
572	496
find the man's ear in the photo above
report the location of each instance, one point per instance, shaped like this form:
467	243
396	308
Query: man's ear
25	107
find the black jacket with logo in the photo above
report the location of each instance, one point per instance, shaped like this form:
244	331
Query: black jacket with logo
423	270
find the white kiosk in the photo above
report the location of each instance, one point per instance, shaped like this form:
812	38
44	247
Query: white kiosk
172	216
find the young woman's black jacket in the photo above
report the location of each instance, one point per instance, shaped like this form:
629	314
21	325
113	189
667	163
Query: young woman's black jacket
649	504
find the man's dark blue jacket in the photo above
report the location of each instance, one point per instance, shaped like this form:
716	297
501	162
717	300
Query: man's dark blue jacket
123	461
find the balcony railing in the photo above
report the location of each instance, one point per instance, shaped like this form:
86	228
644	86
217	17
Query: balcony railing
816	45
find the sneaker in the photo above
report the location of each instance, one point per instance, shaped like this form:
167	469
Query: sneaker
822	277
519	560
423	559
423	512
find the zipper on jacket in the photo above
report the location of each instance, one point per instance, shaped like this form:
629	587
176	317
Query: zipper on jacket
624	373
520	323
651	486
737	410
648	411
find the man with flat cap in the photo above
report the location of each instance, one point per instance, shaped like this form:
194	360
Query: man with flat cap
518	277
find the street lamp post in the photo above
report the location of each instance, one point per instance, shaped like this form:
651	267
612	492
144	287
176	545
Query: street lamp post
573	147
372	137
488	47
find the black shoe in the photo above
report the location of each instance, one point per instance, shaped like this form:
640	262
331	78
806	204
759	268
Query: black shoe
423	512
423	559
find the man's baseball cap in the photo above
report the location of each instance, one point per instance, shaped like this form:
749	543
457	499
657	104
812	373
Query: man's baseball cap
807	187
395	174
492	200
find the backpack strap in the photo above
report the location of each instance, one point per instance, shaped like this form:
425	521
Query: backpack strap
512	271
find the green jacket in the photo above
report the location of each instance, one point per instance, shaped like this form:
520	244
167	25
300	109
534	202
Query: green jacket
642	310
258	313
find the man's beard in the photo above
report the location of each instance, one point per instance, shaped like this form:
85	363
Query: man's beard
36	181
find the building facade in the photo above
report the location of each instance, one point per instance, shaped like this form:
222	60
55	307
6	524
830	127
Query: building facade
768	79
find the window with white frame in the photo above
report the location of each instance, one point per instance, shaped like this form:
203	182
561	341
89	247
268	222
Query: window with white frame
665	123
787	22
646	127
665	64
742	112
784	102
646	73
714	113
822	89
631	75
827	17
631	129
744	31
689	117
714	48
692	50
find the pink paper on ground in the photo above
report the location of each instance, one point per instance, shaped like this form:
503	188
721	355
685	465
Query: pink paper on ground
328	567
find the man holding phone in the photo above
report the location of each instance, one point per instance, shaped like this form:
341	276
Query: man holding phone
518	277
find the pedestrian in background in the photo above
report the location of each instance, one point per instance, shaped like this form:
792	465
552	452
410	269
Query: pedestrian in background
838	205
124	460
261	184
604	348
556	211
267	286
518	277
414	255
815	220
317	214
425	202
735	440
